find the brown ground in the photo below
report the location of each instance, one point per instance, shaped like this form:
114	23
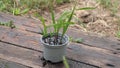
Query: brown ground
98	20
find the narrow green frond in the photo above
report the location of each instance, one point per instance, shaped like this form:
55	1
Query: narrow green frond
25	11
65	62
44	25
69	20
53	20
64	15
86	8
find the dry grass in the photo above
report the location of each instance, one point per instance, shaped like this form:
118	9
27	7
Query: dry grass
104	20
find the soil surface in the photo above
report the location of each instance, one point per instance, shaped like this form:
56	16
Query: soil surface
99	20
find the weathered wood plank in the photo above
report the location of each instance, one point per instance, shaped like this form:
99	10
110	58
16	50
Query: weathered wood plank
20	37
107	45
31	58
92	55
20	55
8	64
87	54
95	41
22	23
32	25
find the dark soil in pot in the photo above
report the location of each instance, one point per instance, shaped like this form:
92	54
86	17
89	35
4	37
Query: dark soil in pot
54	39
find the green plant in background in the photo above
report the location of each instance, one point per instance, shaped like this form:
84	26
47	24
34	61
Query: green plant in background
18	11
35	4
18	7
111	5
2	6
115	6
62	1
5	5
105	3
6	66
118	34
13	6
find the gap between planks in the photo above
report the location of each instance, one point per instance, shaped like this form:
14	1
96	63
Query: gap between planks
31	58
95	42
31	25
78	52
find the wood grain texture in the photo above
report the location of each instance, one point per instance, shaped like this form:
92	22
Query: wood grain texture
95	40
21	23
9	64
31	58
31	25
20	55
80	52
99	51
92	55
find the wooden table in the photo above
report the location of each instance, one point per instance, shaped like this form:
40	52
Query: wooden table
21	46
